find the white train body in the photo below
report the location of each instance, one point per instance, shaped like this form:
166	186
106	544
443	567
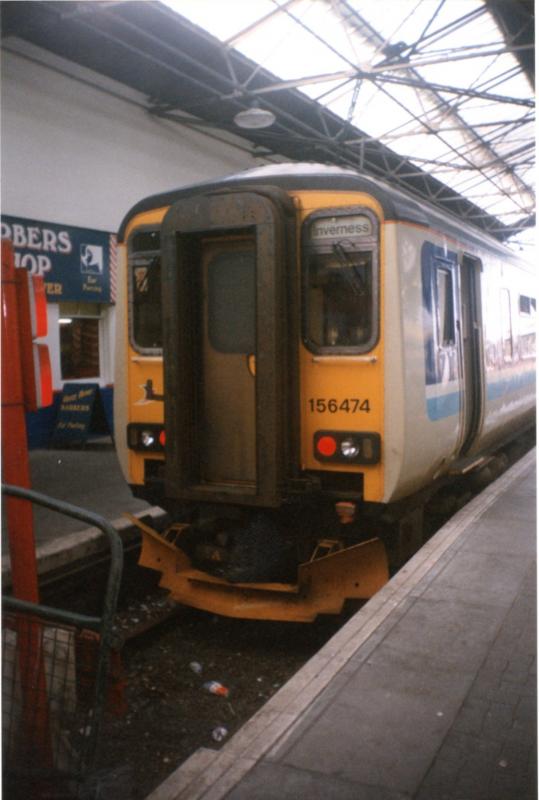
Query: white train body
429	397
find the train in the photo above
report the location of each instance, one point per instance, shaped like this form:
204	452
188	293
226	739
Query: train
304	356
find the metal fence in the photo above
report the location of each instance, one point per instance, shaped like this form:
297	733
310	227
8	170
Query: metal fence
55	665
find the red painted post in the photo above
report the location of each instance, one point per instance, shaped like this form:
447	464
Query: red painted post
15	463
20	525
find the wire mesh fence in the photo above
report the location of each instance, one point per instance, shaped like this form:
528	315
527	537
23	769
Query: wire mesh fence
46	714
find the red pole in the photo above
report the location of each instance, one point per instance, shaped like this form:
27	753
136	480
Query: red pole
15	463
20	524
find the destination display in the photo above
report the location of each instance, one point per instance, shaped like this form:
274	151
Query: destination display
341	227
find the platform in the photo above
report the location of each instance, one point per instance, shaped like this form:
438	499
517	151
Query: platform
90	478
428	693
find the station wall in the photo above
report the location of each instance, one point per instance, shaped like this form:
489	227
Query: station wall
79	150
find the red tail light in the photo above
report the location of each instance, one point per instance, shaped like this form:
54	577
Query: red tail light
326	446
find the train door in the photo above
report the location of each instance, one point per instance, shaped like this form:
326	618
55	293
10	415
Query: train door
471	350
228	361
229	378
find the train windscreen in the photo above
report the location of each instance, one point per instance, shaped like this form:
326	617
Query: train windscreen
340	284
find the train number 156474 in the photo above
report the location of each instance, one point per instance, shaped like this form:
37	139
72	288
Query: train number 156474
350	405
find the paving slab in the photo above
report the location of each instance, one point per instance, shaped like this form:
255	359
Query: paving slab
284	781
428	692
90	478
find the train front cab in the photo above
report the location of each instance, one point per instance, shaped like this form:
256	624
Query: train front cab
272	390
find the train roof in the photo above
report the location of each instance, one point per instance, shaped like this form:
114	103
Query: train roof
396	204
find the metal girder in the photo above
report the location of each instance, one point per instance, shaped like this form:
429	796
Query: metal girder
515	18
401	60
380	76
183	70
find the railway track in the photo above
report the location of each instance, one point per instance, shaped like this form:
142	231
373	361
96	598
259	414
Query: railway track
168	668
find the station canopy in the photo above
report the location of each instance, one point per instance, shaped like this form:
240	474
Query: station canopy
434	96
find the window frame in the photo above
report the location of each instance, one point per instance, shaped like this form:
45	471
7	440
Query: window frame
146	351
532	305
506	307
369	244
442	267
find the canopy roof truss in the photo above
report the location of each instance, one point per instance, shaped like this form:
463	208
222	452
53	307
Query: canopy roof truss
435	97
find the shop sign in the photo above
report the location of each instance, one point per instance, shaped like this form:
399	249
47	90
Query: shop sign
75	263
80	413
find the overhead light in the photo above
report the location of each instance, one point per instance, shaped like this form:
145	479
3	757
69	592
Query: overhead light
254	117
65	320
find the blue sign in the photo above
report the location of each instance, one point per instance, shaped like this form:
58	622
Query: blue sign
75	263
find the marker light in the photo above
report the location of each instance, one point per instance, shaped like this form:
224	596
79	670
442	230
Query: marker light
326	446
162	438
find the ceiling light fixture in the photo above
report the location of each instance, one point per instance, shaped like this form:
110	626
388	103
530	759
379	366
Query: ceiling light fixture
254	117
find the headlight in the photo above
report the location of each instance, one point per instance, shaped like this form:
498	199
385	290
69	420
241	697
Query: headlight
349	448
146	437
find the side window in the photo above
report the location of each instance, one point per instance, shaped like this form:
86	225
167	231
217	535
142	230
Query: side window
526	305
526	327
144	263
507	333
445	313
438	269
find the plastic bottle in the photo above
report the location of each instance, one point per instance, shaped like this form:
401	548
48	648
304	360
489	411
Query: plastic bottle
214	687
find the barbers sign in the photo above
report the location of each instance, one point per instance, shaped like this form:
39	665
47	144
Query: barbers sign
75	263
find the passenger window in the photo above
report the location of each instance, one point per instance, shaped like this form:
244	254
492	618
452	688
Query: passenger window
145	291
231	302
526	305
444	308
507	334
